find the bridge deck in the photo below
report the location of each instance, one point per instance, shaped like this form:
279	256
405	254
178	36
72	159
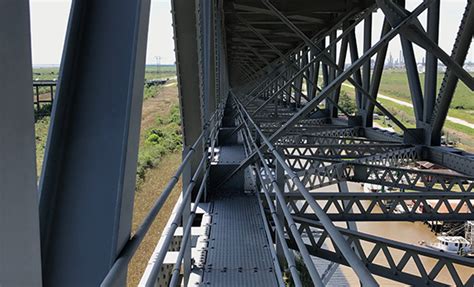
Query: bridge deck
238	252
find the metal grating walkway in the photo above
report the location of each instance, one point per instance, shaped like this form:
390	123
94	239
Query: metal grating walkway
238	252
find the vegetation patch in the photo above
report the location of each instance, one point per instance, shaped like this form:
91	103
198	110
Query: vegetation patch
151	92
41	134
162	138
347	103
43	112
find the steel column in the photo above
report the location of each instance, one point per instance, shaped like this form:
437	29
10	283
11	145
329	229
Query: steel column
88	181
20	255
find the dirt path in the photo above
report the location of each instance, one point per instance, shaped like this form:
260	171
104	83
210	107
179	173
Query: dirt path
407	104
159	105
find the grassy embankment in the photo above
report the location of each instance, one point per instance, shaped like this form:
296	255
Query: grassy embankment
159	157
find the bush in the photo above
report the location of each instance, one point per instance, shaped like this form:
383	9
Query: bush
347	103
43	111
159	140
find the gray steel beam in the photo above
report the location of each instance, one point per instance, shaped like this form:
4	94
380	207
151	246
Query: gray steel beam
376	77
413	80
345	75
88	181
357	73
379	257
20	253
206	63
187	68
366	67
341	63
338	240
431	63
454	159
358	206
450	80
415	33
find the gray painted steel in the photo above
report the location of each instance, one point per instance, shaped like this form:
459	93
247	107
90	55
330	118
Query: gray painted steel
187	67
264	53
238	251
20	256
88	181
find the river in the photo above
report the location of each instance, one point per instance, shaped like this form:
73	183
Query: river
406	232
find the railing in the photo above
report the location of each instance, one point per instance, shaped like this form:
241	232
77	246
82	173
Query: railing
44	91
270	185
204	141
285	179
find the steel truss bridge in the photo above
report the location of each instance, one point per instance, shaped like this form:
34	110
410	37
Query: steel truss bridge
269	153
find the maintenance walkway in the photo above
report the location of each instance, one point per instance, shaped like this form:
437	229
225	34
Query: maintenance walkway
238	251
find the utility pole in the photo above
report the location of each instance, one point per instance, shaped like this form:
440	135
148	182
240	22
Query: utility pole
158	61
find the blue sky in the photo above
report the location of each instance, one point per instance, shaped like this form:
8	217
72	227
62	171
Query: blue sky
49	19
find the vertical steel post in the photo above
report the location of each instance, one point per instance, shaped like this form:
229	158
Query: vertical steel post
413	79
38	107
357	74
280	181
376	77
431	63
367	65
88	180
186	180
332	72
20	256
340	65
450	80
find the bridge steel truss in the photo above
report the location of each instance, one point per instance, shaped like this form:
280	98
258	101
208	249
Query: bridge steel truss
302	144
273	68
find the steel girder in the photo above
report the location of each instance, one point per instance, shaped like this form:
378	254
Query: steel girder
286	73
391	206
88	181
319	149
20	253
413	265
187	68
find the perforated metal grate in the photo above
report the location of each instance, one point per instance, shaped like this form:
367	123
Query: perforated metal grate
238	251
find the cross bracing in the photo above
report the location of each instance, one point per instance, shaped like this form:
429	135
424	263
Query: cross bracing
270	155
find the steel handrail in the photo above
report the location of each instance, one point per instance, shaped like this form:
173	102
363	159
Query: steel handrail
128	251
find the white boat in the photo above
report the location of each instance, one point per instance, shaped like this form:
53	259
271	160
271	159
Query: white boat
450	244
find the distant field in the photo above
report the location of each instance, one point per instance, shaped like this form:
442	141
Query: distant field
395	84
461	135
151	72
164	71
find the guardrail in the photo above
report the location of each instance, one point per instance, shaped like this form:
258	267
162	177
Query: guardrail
270	184
44	92
205	140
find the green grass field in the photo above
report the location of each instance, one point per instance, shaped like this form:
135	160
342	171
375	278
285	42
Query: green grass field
395	84
151	72
161	136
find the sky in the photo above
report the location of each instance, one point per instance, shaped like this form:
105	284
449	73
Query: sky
48	29
49	21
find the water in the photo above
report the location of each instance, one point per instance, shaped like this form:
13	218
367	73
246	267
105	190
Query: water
406	232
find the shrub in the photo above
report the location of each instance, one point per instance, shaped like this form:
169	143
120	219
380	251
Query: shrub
347	103
162	138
